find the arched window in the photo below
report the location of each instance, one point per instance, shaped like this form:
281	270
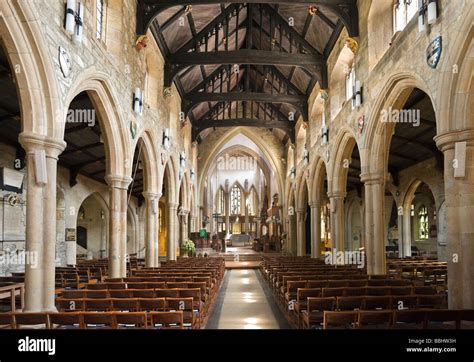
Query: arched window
403	12
100	19
236	196
423	227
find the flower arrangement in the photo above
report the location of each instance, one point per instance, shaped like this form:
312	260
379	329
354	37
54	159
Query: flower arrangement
189	246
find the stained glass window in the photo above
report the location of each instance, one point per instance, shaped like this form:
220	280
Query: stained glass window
423	223
236	196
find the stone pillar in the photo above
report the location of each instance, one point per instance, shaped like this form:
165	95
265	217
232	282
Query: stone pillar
246	217
227	213
183	227
406	231
292	234
151	229
172	232
118	186
400	235
41	224
300	233
315	230
337	221
374	223
459	199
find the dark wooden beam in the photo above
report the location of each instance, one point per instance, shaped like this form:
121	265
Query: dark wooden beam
200	126
192	99
176	63
346	10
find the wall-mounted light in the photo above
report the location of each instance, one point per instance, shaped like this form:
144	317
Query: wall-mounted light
324	135
306	157
182	159
166	138
429	9
357	95
74	20
138	101
192	174
293	173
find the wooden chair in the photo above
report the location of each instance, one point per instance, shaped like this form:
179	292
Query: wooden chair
404	301
466	319
131	320
409	319
140	285
70	305
425	290
97	294
31	321
71	320
166	293
376	291
124	304
102	305
177	285
431	301
314	313
405	290
442	319
380	319
124	293
191	318
357	283
337	283
350	303
376	302
167	320
301	303
355	291
99	320
6	321
333	292
144	293
156	285
339	320
151	304
73	294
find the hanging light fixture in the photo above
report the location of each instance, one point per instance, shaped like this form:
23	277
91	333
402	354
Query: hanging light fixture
357	94
432	12
192	174
182	159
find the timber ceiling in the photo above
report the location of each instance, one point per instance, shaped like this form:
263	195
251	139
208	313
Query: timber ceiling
246	63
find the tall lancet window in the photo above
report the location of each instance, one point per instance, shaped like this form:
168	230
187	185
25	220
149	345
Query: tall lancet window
236	196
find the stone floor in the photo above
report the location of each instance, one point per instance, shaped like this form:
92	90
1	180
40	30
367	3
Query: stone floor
245	302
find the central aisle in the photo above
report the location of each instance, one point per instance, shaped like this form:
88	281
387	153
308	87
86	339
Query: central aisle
244	302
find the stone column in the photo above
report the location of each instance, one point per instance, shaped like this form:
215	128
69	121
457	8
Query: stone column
375	223
406	231
41	224
118	186
183	227
400	235
337	221
315	230
172	232
459	199
300	233
292	235
246	217
227	213
151	228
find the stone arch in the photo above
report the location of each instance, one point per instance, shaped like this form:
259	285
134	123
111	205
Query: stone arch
396	91
34	72
149	151
317	175
272	159
170	174
344	145
116	139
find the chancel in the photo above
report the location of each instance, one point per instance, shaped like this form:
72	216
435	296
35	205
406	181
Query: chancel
195	164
